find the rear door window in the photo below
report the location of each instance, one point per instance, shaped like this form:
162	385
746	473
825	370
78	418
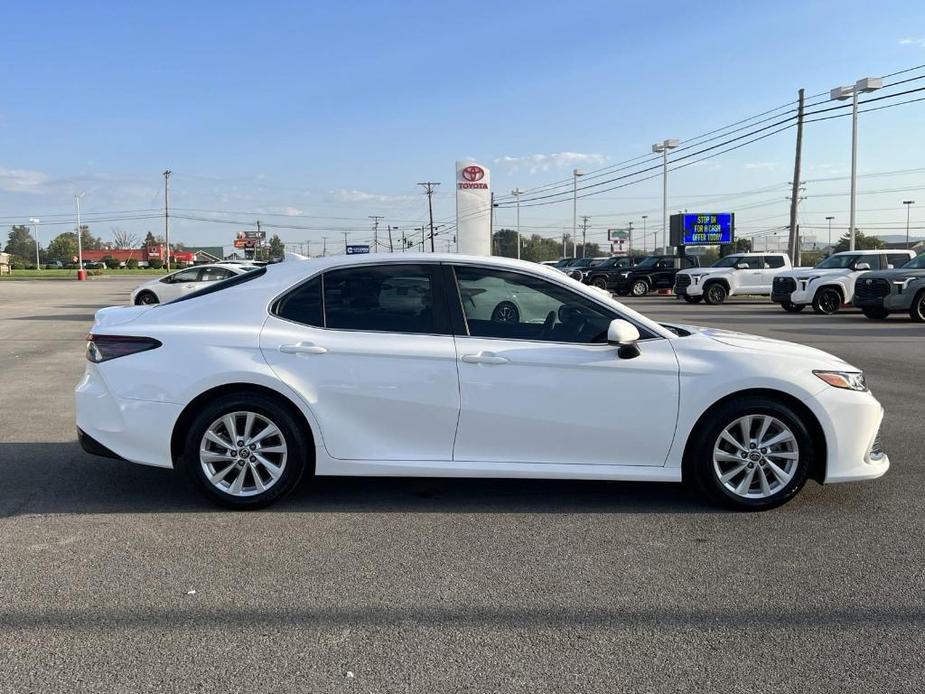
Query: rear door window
774	261
897	259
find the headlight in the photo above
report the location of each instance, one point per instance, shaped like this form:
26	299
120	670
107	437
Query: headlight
848	380
696	279
904	282
624	274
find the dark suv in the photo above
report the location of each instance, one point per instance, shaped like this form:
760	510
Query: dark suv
654	272
599	275
878	294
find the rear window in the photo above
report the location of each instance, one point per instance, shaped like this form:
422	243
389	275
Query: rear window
774	261
222	284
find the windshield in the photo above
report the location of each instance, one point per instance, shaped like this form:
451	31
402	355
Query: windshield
917	263
728	261
563	263
838	262
582	262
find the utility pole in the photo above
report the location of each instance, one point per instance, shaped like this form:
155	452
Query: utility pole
575	174
166	221
662	148
404	243
829	220
375	218
35	234
516	193
907	203
629	250
81	274
391	249
794	241
644	218
259	242
584	234
794	245
429	187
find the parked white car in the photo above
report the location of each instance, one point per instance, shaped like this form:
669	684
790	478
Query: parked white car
830	284
177	284
358	365
736	274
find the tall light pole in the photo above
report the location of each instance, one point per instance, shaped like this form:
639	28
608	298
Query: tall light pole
166	222
516	193
644	218
868	84
35	234
80	252
575	174
829	219
662	148
907	203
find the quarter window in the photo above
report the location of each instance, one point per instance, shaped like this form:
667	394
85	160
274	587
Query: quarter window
510	305
773	261
303	304
212	274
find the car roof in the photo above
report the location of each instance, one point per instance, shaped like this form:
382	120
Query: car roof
871	251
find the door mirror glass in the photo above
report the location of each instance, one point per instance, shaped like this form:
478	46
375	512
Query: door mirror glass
861	267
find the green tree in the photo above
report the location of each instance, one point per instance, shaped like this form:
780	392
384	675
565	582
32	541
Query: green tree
20	244
63	247
862	242
277	248
88	240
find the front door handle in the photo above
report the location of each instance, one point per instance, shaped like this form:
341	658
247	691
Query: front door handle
302	348
484	358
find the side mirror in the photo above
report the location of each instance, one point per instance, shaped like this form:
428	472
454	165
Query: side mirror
624	335
742	266
862	267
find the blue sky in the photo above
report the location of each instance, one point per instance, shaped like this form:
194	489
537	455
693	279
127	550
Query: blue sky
330	112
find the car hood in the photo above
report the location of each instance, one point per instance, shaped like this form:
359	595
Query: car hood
759	346
700	271
804	273
898	273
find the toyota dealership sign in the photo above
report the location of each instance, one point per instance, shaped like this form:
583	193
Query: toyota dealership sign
473	208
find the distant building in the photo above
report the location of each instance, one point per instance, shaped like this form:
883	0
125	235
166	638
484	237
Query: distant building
142	255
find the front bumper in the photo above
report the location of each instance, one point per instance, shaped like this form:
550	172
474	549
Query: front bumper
136	430
851	423
890	302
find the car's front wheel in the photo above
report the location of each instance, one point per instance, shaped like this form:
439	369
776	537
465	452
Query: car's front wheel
917	309
715	294
827	301
146	298
245	451
599	282
752	453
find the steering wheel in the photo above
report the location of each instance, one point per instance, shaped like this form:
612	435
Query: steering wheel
548	324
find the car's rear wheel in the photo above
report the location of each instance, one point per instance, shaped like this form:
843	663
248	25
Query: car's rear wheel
506	312
145	298
827	301
640	288
752	453
917	309
792	308
245	451
875	313
691	299
715	294
599	282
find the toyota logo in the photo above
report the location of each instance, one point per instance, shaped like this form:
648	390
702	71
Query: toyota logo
869	281
473	173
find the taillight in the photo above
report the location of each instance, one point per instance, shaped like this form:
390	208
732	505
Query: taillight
102	348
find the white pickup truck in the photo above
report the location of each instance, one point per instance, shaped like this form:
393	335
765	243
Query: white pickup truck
830	284
736	274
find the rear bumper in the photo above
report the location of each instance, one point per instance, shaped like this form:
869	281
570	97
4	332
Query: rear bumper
135	430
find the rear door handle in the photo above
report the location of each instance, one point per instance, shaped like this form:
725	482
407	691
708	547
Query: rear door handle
302	348
484	358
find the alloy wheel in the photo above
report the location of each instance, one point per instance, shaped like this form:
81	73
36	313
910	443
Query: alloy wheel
640	288
243	453
756	456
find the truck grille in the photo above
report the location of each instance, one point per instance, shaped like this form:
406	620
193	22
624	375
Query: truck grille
873	288
681	281
784	285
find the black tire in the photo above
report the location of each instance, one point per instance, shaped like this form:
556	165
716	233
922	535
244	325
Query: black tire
792	308
506	312
917	309
876	313
599	282
827	301
692	299
715	293
639	288
146	299
298	456
699	465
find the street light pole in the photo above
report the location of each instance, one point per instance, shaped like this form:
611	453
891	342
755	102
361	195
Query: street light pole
516	193
575	174
80	252
644	218
868	84
35	233
907	203
830	231
662	148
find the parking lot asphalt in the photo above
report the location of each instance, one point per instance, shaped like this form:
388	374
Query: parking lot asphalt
116	577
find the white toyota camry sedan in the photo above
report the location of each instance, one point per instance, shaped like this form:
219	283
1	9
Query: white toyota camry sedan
391	365
186	281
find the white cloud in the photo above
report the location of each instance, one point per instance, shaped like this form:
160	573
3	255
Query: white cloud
761	165
292	211
535	163
23	181
909	41
344	195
